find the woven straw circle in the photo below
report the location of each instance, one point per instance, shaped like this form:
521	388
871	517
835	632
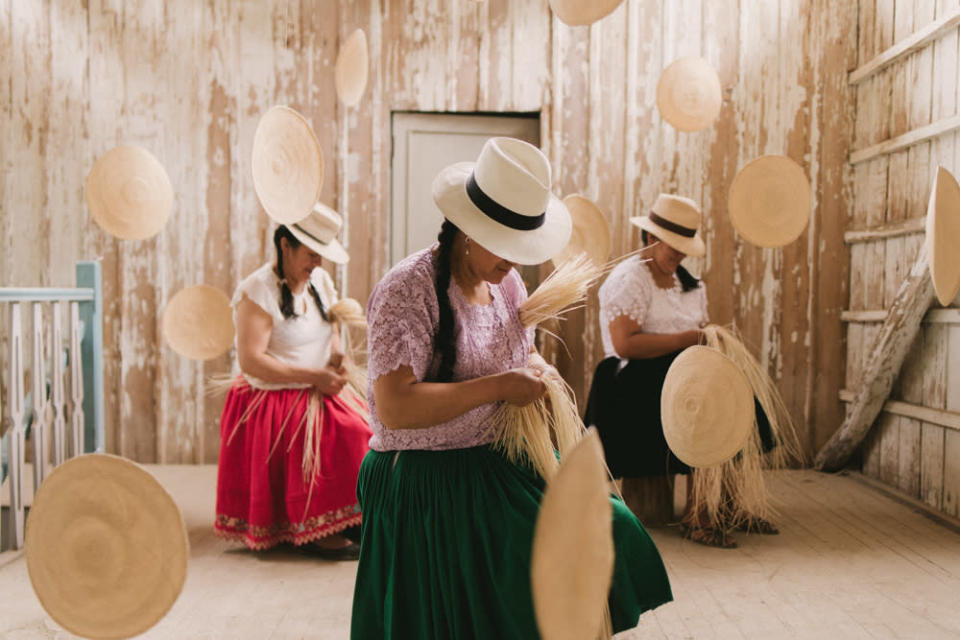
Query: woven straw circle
770	201
571	566
106	547
706	407
943	233
590	232
287	165
128	193
689	95
198	322
350	73
582	12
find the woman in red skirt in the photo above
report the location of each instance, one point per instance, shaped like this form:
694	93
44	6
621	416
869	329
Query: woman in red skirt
292	438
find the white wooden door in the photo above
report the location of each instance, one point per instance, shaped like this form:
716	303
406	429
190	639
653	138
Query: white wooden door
425	143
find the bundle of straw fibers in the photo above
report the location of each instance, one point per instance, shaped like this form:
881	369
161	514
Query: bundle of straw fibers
348	314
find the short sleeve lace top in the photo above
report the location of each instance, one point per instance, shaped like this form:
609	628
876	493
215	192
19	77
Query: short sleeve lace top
402	317
302	340
630	291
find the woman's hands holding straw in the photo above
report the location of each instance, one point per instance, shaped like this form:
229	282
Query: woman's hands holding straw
330	380
521	386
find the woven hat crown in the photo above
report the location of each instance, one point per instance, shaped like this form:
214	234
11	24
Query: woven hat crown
678	210
515	175
323	223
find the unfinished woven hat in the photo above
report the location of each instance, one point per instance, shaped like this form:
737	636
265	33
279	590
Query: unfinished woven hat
582	12
770	201
571	566
503	202
319	232
198	322
674	220
689	95
106	547
706	407
128	193
943	236
287	165
590	233
352	67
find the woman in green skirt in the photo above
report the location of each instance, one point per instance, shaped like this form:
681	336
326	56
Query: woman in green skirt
448	520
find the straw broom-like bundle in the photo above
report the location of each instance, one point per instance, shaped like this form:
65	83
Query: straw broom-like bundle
348	314
733	492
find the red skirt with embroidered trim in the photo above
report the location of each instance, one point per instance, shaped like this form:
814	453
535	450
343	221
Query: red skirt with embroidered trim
264	495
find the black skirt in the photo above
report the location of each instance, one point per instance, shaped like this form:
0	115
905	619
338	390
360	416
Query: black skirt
624	405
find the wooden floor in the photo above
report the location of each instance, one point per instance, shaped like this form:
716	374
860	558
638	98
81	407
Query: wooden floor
850	563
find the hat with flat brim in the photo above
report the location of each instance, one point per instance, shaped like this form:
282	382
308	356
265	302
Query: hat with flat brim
590	232
350	73
106	547
129	193
689	95
582	12
503	202
943	236
287	165
319	230
770	201
571	565
198	322
706	407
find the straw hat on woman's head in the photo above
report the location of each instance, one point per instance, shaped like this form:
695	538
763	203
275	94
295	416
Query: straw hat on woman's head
319	232
943	236
770	201
706	407
129	193
503	202
674	220
287	165
106	547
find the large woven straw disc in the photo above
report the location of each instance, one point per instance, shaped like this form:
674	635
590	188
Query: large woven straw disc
571	566
287	165
770	201
582	12
128	193
943	236
198	322
106	547
689	95
350	73
706	407
590	233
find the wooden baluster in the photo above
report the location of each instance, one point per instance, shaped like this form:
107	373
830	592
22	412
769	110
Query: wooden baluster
76	382
40	404
16	448
57	395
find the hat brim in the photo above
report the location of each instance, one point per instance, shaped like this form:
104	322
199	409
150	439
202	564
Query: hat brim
333	250
520	247
590	233
942	230
690	246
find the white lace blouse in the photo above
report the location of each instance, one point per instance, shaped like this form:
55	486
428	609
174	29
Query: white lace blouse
630	291
300	341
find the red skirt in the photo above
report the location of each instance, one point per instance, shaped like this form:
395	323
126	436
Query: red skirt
265	495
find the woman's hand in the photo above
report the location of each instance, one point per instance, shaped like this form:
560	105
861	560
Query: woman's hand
335	363
693	337
521	386
328	382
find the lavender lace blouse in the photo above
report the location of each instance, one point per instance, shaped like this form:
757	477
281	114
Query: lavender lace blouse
402	317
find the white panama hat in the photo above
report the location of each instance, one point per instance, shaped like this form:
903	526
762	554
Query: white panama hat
503	202
674	220
319	232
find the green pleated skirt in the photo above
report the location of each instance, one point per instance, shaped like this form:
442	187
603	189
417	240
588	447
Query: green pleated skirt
446	544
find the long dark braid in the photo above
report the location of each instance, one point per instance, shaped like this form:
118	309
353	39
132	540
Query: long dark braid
286	296
687	281
444	340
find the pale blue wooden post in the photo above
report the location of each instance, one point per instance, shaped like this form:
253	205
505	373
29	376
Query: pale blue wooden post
91	351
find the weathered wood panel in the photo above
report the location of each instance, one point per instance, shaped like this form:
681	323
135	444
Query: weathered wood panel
189	81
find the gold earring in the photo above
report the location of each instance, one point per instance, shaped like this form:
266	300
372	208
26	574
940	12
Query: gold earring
468	246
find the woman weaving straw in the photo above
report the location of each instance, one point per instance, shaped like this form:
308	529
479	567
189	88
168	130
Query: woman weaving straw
651	309
448	518
291	438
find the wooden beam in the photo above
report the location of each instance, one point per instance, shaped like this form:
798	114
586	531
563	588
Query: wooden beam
892	344
949	419
906	46
908	139
907	227
934	316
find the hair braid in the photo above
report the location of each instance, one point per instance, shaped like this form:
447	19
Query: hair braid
444	340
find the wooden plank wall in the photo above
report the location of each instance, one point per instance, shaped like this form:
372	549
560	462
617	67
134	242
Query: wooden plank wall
188	80
921	458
